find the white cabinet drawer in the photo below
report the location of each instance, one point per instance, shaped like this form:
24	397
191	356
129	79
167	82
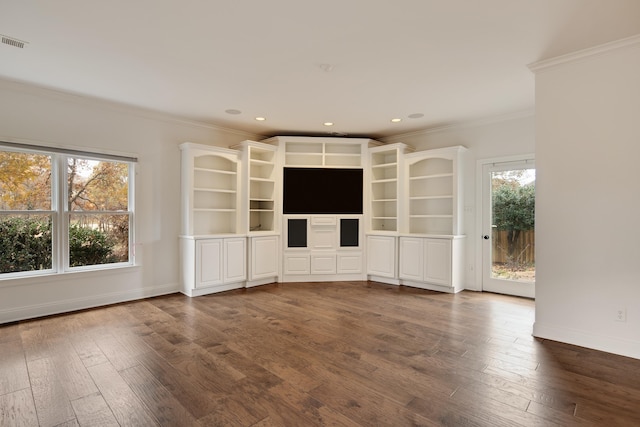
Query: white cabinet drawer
323	220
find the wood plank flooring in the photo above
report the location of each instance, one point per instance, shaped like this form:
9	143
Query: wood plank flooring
307	354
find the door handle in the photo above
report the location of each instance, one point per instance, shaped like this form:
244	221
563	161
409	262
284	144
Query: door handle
486	237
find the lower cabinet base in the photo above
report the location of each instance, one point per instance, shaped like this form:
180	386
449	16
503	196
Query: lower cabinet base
381	279
322	277
411	284
260	282
228	287
196	292
430	286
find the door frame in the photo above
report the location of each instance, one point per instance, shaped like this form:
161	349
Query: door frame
480	194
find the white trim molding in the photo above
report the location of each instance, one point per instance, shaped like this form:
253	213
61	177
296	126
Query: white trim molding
546	64
587	339
75	304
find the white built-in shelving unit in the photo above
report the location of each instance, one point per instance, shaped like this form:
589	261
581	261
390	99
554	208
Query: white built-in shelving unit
415	233
259	187
322	152
209	190
234	232
434	192
386	184
212	247
323	256
259	210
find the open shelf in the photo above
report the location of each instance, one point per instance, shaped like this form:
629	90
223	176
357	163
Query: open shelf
259	186
329	154
434	192
386	186
210	190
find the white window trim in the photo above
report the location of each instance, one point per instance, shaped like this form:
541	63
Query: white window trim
60	213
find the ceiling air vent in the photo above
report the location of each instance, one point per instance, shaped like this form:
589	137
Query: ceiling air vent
13	42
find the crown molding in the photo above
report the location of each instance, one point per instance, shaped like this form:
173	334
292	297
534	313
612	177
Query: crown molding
38	90
498	118
546	64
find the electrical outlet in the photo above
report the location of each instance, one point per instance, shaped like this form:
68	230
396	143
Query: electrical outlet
621	315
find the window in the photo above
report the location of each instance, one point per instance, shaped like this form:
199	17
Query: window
63	211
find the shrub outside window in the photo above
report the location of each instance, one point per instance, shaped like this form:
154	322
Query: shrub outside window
61	212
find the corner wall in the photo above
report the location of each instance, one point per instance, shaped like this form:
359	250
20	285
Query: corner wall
45	117
588	198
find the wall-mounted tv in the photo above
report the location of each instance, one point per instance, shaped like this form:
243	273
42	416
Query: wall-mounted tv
322	191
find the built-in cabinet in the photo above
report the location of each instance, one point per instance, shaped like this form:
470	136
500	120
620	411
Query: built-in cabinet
213	251
415	217
259	209
236	233
381	257
323	247
432	263
211	264
263	259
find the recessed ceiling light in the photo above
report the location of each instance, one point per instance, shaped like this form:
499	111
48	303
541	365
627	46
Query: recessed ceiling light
396	120
327	68
415	115
260	119
328	123
232	111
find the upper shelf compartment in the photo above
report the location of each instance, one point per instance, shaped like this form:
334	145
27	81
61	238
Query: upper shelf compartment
316	152
209	190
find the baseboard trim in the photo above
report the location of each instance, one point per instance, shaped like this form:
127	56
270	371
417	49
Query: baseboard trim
69	305
622	347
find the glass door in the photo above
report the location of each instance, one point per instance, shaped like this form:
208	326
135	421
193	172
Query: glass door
508	247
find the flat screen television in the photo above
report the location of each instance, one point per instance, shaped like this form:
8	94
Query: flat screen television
322	191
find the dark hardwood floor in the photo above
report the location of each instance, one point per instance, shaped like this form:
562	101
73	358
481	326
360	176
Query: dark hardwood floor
305	354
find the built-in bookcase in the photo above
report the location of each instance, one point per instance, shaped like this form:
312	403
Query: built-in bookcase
386	186
434	193
259	185
209	190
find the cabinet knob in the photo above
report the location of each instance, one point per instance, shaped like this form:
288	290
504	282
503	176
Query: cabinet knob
486	237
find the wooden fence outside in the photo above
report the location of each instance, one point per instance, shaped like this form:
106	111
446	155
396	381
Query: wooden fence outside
524	251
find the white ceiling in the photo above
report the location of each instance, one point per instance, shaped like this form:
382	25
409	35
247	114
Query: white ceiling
357	63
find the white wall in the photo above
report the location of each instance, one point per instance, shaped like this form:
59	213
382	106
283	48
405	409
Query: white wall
504	137
588	198
36	115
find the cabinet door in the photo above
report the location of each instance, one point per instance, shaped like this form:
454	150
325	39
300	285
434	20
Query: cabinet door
323	264
209	262
296	264
381	256
264	257
437	267
411	258
235	264
324	238
349	263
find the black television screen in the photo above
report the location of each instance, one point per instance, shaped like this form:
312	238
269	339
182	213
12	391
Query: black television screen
322	191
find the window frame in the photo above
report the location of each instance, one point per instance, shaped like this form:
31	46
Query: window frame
60	213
